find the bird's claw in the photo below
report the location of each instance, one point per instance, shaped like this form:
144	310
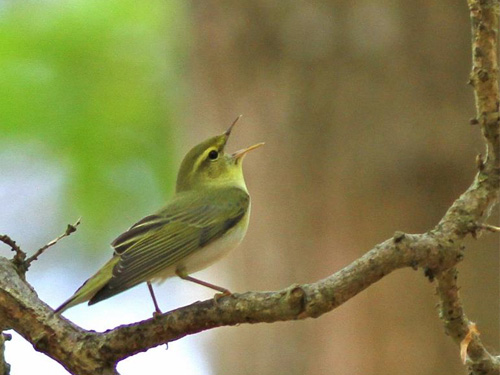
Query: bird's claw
220	295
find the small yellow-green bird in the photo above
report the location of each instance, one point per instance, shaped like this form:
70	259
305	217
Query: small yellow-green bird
206	218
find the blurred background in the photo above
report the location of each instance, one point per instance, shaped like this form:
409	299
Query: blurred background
364	109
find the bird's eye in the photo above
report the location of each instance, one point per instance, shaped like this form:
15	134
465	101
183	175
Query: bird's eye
213	155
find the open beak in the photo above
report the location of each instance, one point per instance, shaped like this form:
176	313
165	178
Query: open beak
228	131
238	155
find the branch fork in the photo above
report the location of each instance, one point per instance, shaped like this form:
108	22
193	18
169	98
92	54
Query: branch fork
437	251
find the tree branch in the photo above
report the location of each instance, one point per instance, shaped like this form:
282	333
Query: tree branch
457	325
437	251
18	259
4	366
484	79
88	352
292	303
484	75
69	229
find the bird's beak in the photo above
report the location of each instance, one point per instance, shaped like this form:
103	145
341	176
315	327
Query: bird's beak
238	155
228	131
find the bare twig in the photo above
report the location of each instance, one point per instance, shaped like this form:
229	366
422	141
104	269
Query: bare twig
20	255
439	251
19	260
489	227
458	326
70	229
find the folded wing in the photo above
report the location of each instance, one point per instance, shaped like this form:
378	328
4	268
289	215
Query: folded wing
162	240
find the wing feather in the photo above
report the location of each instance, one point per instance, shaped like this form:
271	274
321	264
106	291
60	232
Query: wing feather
162	240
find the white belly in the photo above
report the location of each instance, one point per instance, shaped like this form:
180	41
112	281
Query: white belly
213	252
208	255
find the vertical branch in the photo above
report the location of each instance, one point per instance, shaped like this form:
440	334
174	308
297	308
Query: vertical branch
484	78
457	325
484	75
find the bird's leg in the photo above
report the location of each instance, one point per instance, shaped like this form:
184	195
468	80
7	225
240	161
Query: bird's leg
224	292
157	308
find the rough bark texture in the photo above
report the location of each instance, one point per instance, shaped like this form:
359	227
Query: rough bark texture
4	366
437	251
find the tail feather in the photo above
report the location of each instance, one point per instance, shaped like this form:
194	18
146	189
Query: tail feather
90	287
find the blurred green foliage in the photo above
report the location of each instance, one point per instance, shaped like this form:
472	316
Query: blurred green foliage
97	84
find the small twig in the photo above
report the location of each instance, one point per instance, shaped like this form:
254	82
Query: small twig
461	329
70	229
20	255
9	241
489	227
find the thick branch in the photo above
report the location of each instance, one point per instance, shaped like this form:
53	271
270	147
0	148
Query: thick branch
90	352
295	302
439	250
86	352
22	311
72	346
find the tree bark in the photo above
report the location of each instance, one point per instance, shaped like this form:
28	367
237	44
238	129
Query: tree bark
437	251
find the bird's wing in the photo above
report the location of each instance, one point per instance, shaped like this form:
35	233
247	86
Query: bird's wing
159	241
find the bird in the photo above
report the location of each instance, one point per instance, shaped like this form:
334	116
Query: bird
206	218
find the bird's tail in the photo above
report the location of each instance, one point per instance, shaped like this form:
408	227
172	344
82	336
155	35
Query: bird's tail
90	287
